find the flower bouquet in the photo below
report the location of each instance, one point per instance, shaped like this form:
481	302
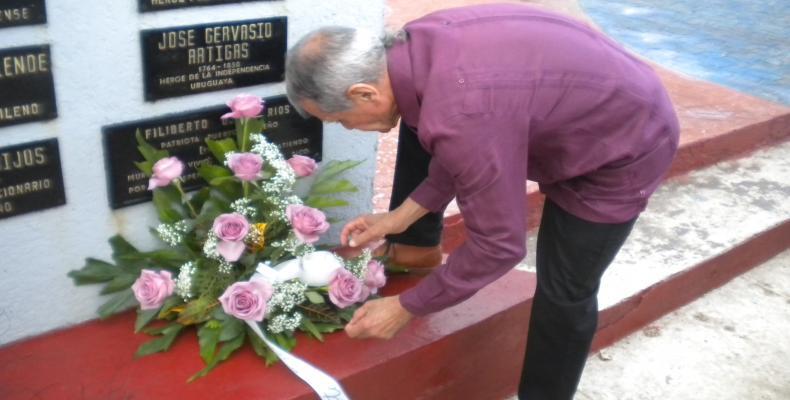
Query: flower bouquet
241	252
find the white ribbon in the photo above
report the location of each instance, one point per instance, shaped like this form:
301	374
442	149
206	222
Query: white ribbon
324	385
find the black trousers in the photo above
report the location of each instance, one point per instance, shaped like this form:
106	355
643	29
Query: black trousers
572	255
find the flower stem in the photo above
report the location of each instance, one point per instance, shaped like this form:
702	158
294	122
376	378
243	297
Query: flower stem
184	198
245	134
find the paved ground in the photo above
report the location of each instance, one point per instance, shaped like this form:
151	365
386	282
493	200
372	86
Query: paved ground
730	344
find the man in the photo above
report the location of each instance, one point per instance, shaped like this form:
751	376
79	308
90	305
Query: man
487	97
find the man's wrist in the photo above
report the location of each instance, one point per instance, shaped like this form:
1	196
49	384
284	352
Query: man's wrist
406	214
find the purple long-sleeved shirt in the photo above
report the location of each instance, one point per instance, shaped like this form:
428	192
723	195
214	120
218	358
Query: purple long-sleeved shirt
499	94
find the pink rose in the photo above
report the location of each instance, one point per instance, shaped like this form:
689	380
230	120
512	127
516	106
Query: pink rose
152	288
346	289
231	230
246	166
164	171
232	227
247	300
302	166
374	276
244	106
307	222
230	251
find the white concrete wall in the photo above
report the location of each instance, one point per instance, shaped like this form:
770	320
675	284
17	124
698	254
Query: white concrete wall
97	68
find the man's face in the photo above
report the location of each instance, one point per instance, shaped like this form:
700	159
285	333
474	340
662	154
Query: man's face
371	110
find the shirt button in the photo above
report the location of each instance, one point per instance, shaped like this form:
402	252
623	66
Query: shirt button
460	81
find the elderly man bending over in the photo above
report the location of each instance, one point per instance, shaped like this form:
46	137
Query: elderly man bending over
488	97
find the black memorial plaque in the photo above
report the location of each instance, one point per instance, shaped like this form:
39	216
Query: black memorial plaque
27	91
157	5
22	12
204	58
30	178
184	135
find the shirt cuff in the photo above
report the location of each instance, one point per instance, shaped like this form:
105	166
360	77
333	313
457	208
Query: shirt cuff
430	197
410	300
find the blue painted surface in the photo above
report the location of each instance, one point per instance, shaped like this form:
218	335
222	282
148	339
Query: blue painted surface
741	44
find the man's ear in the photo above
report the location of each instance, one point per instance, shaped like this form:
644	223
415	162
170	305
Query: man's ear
362	92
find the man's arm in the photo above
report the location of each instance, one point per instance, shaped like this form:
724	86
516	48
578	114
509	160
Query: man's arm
485	157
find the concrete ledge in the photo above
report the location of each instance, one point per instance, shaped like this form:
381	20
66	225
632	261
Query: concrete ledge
684	287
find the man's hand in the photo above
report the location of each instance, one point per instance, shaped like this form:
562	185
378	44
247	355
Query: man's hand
372	227
380	319
367	228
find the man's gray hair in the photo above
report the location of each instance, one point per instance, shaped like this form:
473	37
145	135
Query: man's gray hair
326	62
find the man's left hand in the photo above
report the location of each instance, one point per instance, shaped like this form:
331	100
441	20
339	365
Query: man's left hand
380	319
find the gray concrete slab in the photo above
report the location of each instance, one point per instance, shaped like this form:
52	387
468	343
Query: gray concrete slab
730	344
696	217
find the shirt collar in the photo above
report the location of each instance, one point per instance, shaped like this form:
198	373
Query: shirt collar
402	81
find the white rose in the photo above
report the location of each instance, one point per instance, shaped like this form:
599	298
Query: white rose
319	268
314	269
288	270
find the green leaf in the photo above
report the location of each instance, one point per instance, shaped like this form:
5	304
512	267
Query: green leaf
314	297
145	167
308	326
326	327
208	338
163	343
324	202
347	313
287	342
143	318
261	348
120	282
219	181
333	168
227	349
239	124
229	188
196	311
167	257
220	147
164	207
332	186
170	302
256	125
220	315
231	328
211	209
121	247
118	303
200	198
94	271
209	172
150	153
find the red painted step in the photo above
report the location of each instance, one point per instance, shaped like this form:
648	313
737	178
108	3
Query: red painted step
466	352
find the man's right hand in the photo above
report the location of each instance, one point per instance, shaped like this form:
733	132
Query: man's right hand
372	227
368	228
